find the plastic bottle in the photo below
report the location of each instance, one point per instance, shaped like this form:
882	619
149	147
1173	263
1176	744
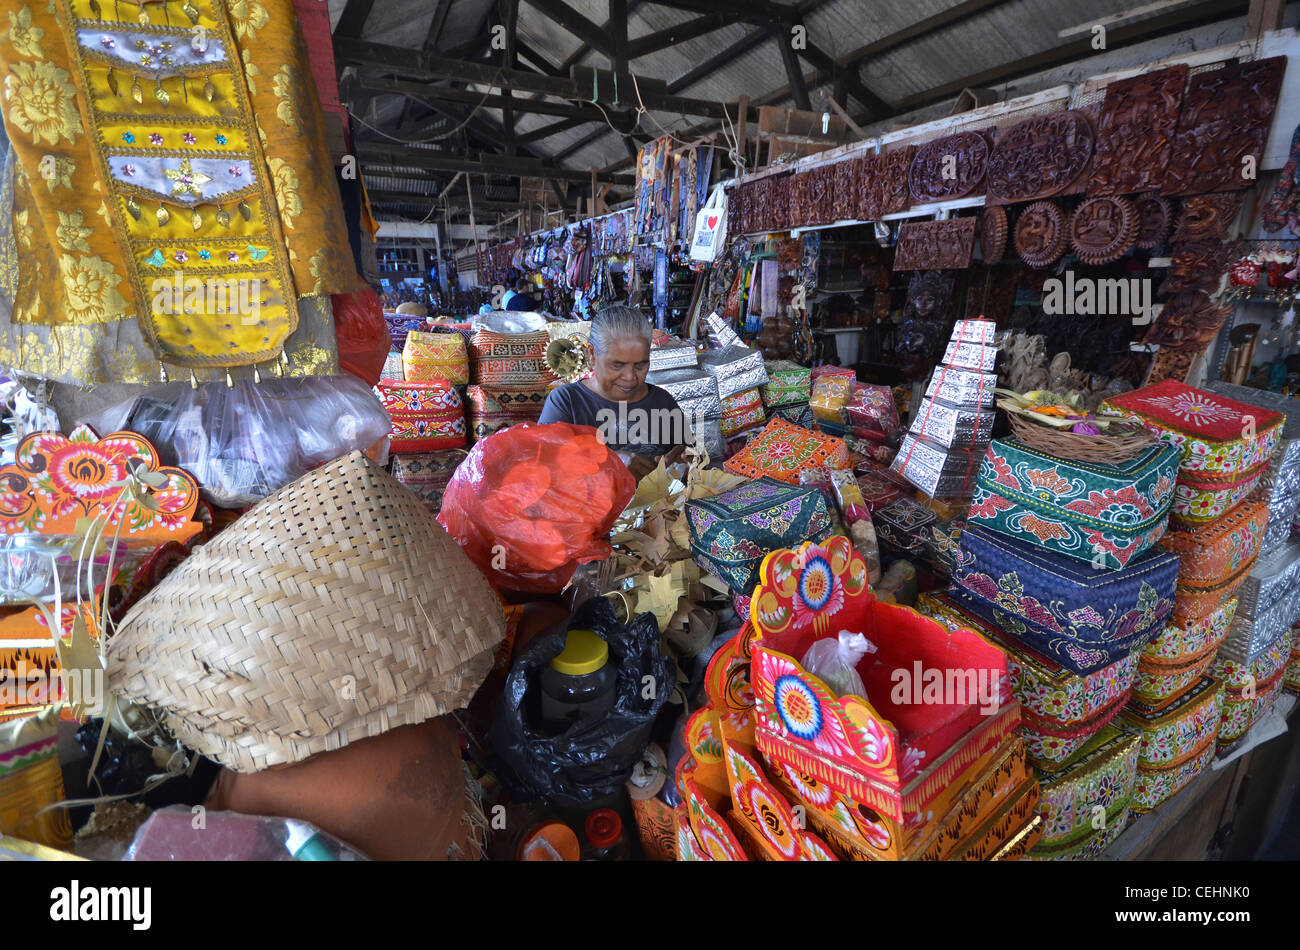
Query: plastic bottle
579	683
307	844
603	837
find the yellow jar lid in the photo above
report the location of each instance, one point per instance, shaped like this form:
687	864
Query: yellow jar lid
584	653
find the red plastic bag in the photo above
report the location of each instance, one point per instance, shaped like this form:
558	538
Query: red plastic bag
532	502
362	334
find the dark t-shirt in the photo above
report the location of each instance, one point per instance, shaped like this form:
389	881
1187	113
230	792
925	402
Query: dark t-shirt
521	302
650	427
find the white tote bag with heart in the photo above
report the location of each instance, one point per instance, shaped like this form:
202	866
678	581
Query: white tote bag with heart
710	227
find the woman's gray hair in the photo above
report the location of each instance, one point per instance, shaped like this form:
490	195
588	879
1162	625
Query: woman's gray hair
618	323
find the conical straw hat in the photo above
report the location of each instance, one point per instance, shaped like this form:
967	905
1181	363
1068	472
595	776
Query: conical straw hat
336	609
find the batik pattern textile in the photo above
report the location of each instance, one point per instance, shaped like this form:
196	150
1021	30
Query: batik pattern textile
782	450
429	357
1100	781
426	416
1103	514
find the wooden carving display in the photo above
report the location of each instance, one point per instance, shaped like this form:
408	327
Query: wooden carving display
935	245
822	199
892	192
949	167
1198	266
1135	133
845	189
1041	234
1155	220
1184	330
1039	157
993	234
1103	229
1208	217
1223	127
779	209
868	174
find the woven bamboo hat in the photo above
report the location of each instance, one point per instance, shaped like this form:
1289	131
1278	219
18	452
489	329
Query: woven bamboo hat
336	609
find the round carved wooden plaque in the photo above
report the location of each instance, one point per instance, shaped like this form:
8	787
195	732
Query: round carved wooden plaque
1155	216
993	234
949	167
1040	234
1040	156
1103	229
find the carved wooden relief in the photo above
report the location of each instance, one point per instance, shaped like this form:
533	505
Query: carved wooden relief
993	234
935	245
1039	157
1208	217
1103	229
823	198
846	189
736	210
949	167
1041	234
1155	221
1184	330
868	174
1223	127
1198	266
892	193
1135	133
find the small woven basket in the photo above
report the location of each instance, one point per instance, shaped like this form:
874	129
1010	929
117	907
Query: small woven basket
1128	441
336	609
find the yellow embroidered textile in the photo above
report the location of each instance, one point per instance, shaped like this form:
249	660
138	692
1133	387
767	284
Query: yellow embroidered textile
174	171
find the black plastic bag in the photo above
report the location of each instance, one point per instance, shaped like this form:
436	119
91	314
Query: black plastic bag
589	760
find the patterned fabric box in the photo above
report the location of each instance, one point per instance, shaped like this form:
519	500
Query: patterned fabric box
1249	687
799	414
830	396
491	410
1061	711
787	383
1178	645
877	492
938	471
1225	444
399	325
904	524
428	474
426	416
736	368
1157	686
696	391
430	357
1291	679
1083	618
1173	735
962	387
1270	581
942	543
511	361
677	354
1107	514
952	426
1102	777
782	451
732	532
742	411
393	368
1157	785
871	411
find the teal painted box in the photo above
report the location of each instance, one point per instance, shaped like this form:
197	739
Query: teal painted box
1104	514
732	532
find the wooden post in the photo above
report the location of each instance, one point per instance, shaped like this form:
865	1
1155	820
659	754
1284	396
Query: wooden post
1264	15
742	123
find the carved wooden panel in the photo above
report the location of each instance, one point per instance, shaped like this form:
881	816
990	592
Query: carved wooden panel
993	234
949	167
1184	330
821	199
846	189
1041	234
1208	217
892	193
1155	221
1198	266
736	210
868	173
1039	157
935	245
1224	120
1103	229
1135	133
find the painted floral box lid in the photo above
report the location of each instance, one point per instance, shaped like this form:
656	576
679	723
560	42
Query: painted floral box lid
1177	645
1101	777
1212	553
1175	733
1286	457
1155	785
1082	617
1103	514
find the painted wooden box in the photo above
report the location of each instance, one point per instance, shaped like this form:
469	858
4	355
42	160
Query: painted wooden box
1225	445
1249	686
1084	803
427	416
1214	558
1081	617
1104	514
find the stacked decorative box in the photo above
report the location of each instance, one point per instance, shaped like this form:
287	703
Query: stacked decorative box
696	393
740	372
951	428
1225	446
1291	681
511	379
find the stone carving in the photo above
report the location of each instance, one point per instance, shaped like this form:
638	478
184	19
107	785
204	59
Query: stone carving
1135	133
1155	220
1039	157
892	193
1103	229
935	245
993	234
1198	266
1041	234
1222	128
1208	217
949	167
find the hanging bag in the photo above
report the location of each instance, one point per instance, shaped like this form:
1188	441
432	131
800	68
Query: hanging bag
710	227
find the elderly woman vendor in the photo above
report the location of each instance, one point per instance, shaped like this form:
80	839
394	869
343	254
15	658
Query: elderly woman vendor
642	423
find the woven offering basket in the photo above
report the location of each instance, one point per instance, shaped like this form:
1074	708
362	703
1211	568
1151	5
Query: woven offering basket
1128	442
336	609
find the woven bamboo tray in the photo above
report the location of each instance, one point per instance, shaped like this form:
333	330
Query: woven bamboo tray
1128	442
336	609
